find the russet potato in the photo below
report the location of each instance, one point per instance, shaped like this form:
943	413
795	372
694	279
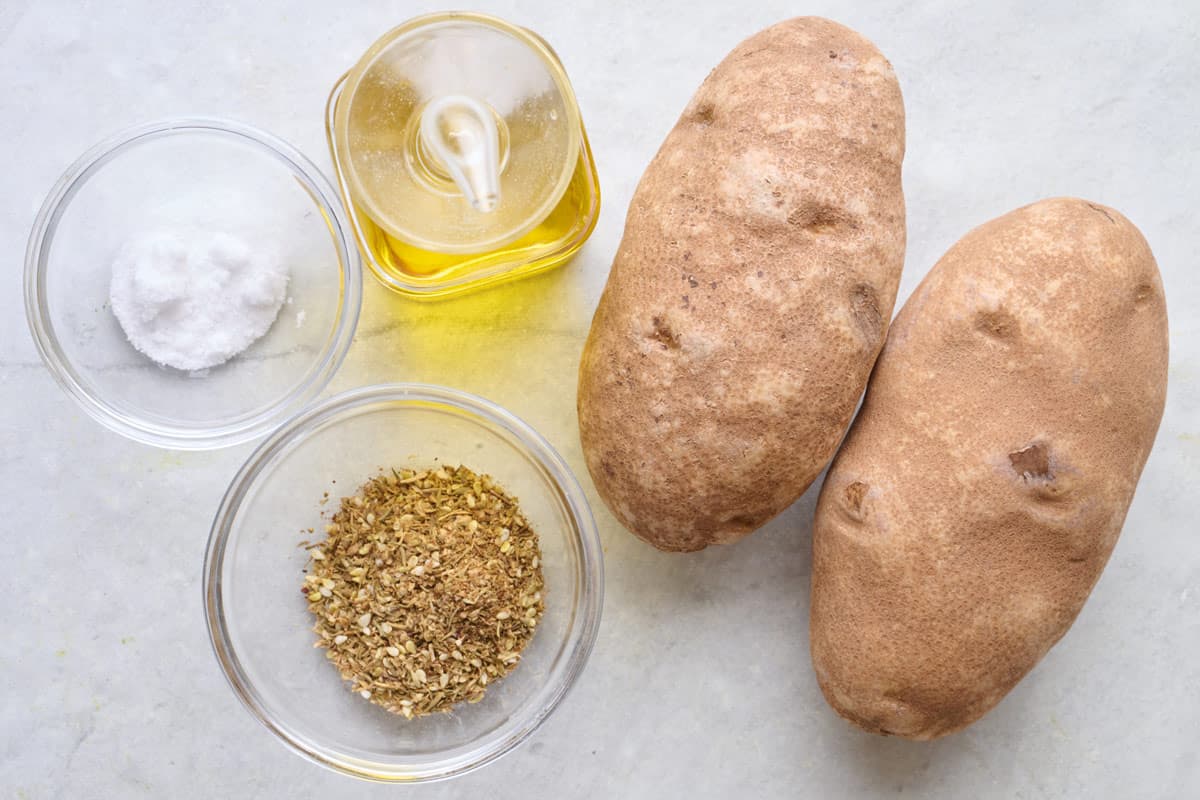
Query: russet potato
752	289
984	483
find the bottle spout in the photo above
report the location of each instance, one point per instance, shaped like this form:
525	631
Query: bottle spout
460	134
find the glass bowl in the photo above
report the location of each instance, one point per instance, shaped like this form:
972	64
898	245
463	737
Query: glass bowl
182	175
259	622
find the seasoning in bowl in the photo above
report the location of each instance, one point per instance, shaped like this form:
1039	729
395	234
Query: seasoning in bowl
426	589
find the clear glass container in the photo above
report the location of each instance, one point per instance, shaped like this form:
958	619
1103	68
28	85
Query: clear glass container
259	621
461	155
180	174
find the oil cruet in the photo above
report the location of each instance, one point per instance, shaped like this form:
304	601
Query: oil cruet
461	155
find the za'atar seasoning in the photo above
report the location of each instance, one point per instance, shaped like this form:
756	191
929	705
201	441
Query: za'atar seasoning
426	589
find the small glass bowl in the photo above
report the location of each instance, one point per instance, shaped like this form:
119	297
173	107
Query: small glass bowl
183	175
259	622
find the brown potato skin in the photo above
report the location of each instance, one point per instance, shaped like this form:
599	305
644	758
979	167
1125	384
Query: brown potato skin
751	291
984	483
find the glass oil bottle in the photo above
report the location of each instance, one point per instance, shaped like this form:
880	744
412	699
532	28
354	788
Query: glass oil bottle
461	156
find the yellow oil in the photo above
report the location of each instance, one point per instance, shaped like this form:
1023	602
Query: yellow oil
426	250
553	241
409	193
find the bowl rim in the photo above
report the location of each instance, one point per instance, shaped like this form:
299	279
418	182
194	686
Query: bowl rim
153	432
583	631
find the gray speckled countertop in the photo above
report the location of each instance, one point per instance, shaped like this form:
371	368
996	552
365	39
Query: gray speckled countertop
700	684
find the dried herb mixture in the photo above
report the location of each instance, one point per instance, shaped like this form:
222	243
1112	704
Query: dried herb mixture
426	589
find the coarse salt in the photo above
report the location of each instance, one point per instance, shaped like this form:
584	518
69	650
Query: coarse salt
195	301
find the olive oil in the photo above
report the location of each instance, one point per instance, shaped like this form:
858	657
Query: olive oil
552	242
461	155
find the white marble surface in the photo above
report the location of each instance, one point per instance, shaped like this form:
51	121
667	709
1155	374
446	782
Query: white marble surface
700	684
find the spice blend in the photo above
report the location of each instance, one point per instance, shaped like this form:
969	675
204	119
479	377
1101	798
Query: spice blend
426	589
